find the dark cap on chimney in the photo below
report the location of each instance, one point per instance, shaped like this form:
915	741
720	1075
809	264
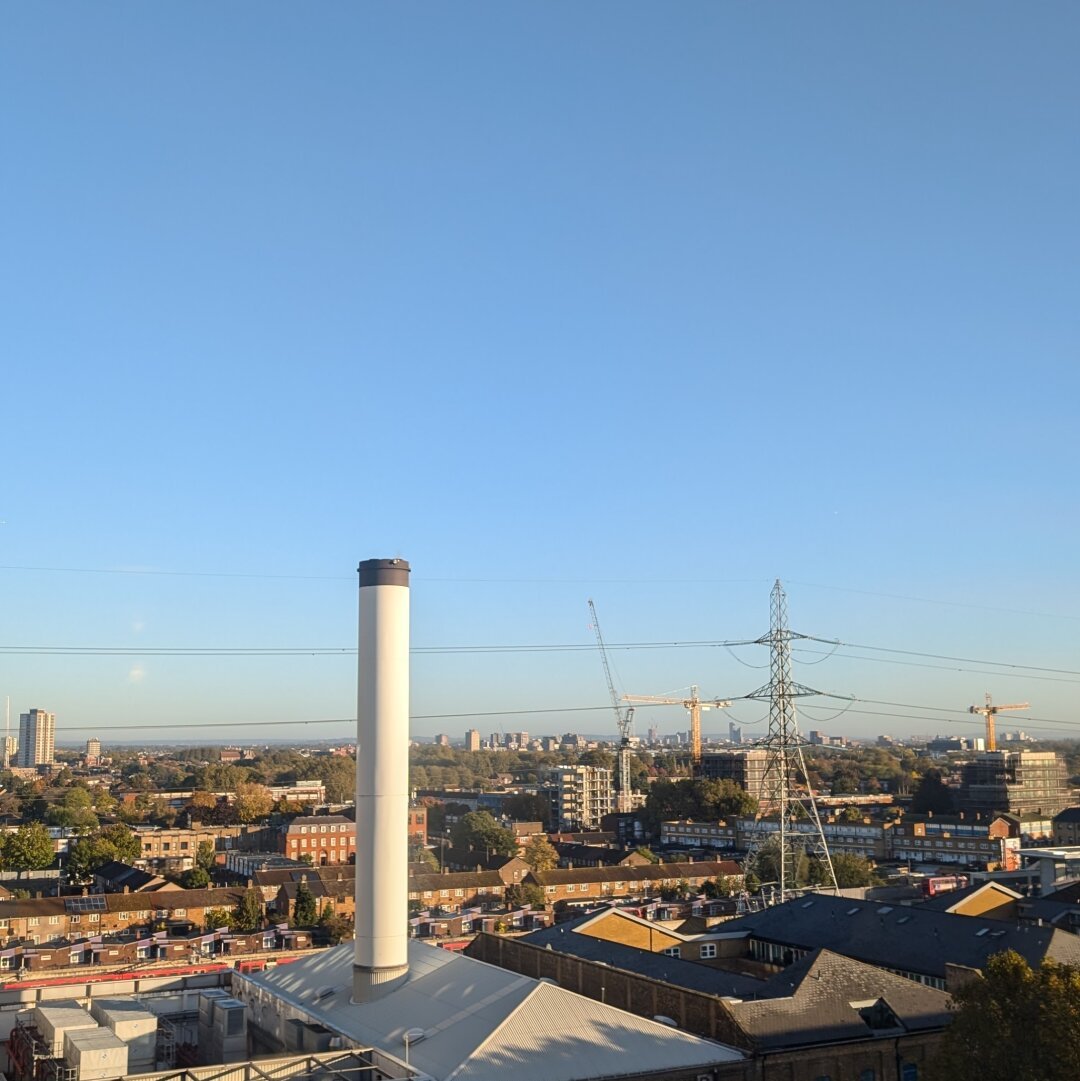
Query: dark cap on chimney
384	572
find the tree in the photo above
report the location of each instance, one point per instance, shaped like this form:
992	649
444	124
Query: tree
195	879
721	886
933	795
1015	1023
253	802
29	848
478	829
540	853
206	856
850	870
648	853
304	909
334	927
219	917
128	847
75	810
202	803
525	807
524	893
422	854
766	863
249	910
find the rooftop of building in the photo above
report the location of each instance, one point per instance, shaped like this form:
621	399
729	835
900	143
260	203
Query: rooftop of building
915	939
826	997
569	938
481	1022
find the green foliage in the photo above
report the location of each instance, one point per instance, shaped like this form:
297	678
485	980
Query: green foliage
195	879
128	847
29	848
932	795
648	853
335	928
219	917
850	871
702	798
525	807
206	856
421	854
304	909
679	892
721	886
248	915
1013	1023
478	829
540	853
524	893
87	854
766	864
75	810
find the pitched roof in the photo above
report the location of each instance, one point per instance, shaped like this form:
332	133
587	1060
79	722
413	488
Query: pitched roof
118	875
172	899
914	939
946	902
1070	814
825	997
652	872
482	1023
459	880
567	938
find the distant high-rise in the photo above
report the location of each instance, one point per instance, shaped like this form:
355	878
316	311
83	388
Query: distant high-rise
580	796
10	746
734	732
745	768
37	738
472	740
1015	782
93	751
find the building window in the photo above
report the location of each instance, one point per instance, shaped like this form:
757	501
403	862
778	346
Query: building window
673	951
54	919
179	911
73	919
94	917
708	949
868	1075
32	922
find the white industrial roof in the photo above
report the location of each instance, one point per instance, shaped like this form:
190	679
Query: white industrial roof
481	1022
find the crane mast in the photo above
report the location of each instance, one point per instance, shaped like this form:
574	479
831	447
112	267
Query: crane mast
624	720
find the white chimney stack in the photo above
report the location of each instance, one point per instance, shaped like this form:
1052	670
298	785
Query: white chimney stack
381	959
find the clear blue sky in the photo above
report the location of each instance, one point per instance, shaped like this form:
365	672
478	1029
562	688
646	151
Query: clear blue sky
648	302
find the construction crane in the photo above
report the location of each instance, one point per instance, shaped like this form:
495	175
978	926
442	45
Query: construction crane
695	705
989	711
624	720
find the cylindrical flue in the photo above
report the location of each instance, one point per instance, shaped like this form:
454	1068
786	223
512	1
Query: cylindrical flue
380	959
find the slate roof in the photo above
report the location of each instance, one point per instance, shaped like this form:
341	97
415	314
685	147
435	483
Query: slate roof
914	939
116	875
823	998
172	899
1070	814
565	938
652	872
457	880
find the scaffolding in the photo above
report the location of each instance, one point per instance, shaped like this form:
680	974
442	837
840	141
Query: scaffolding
31	1058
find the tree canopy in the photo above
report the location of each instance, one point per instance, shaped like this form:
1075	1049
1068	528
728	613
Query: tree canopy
702	798
480	830
1013	1024
540	853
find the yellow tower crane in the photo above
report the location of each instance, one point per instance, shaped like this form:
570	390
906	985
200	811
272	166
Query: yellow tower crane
989	711
695	705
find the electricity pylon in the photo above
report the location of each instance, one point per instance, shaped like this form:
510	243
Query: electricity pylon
785	786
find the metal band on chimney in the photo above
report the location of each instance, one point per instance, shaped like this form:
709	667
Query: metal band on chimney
384	572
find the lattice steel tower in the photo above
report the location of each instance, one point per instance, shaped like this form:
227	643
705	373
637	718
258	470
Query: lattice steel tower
786	795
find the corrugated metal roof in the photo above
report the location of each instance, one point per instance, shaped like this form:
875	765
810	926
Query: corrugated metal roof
480	1021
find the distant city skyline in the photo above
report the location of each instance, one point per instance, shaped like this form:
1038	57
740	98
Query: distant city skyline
557	303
